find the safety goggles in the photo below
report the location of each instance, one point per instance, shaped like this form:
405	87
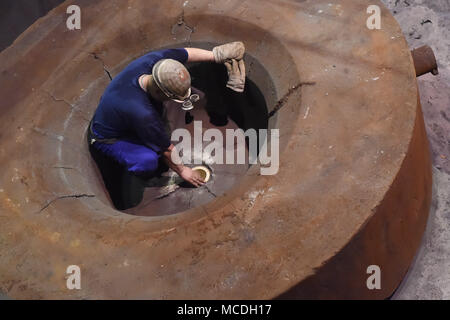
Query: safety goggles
188	103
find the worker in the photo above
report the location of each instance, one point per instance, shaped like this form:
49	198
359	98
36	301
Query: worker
128	124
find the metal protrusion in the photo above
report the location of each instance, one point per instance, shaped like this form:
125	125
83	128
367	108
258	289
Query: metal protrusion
424	61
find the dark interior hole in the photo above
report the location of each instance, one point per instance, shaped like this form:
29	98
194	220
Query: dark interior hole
248	109
220	108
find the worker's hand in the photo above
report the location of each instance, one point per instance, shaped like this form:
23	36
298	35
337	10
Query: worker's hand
192	177
226	52
236	75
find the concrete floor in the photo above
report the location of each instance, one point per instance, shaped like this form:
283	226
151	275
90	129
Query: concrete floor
428	22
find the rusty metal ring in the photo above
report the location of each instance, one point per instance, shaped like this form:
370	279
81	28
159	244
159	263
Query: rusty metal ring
353	188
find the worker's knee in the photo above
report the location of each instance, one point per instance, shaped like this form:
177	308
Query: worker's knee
146	163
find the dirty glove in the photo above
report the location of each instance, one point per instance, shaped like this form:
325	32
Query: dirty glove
226	52
236	75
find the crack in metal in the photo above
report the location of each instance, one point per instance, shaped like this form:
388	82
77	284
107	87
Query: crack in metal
280	104
96	57
181	23
67	168
210	192
73	196
73	107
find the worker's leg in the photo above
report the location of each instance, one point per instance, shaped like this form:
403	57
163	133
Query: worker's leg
136	158
125	166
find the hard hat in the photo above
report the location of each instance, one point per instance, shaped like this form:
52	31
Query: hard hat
173	79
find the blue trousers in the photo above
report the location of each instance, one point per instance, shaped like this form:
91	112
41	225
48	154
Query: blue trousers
135	157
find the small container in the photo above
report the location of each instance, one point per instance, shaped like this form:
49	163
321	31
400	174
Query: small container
204	172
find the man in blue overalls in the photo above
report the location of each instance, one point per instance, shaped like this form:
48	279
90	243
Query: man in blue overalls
128	126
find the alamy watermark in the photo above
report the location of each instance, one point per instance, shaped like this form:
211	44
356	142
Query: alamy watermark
374	21
233	145
374	281
74	277
73	22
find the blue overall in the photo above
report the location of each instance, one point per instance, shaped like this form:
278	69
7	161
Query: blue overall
128	114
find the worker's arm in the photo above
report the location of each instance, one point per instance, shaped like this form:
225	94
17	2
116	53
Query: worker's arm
199	55
219	54
184	172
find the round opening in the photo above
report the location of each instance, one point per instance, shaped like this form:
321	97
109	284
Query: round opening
267	82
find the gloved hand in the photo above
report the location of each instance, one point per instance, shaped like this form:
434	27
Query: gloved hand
236	75
226	52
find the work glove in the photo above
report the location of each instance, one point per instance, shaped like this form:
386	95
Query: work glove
236	75
226	52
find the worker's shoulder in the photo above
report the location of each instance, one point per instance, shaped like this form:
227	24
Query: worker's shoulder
123	85
124	97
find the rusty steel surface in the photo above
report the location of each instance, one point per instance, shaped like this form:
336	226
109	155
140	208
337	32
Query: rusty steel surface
354	184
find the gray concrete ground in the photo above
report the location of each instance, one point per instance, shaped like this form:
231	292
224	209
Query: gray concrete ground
428	22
